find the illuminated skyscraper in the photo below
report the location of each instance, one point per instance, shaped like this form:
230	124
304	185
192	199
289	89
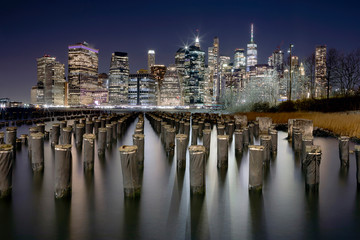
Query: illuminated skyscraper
239	58
151	59
276	60
320	71
118	78
213	65
51	81
83	73
170	88
193	83
251	51
142	89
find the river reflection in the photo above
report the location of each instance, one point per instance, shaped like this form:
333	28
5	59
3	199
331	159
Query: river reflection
166	210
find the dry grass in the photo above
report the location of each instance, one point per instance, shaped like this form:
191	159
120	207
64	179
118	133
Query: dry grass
339	123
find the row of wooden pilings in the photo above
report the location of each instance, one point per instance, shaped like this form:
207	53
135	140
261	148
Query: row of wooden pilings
174	131
85	131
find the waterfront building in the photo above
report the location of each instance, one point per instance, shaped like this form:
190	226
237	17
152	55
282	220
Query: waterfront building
118	78
320	71
142	89
158	72
82	72
251	51
151	59
50	87
170	94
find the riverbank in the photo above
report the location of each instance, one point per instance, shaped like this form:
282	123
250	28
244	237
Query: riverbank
341	123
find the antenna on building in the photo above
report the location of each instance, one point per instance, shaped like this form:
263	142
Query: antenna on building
252	32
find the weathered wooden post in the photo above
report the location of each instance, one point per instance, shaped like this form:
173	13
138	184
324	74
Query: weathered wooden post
256	159
11	136
2	137
89	127
6	165
220	129
222	151
197	169
357	157
170	139
130	172
306	141
139	141
265	140
41	127
246	136
37	151
206	140
195	134
297	139
181	144
344	150
312	166
109	132
79	133
66	135
55	134
63	170
89	145
102	141
239	140
274	138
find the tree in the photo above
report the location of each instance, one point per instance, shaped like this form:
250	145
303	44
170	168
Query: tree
348	72
332	65
309	65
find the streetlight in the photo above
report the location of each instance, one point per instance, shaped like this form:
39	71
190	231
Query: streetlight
289	51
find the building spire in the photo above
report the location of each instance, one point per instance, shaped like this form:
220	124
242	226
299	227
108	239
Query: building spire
252	32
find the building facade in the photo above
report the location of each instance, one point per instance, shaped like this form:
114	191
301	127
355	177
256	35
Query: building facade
170	94
118	78
50	88
82	73
151	59
142	89
320	71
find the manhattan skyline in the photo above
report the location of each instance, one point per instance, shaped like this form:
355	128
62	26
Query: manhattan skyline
31	30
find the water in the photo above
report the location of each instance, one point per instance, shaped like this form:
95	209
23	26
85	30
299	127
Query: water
98	210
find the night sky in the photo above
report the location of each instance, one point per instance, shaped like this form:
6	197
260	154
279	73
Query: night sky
30	29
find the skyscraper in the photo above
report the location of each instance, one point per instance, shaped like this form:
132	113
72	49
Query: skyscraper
251	51
239	58
193	84
83	72
118	78
51	80
213	65
170	88
320	71
276	60
142	89
151	59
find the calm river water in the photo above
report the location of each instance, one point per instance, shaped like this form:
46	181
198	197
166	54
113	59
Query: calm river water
98	210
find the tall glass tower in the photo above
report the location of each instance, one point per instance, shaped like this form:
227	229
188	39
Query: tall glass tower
251	51
118	78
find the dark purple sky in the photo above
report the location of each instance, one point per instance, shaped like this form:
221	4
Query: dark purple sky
30	29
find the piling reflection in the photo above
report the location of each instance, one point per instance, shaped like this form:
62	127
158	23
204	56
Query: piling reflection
198	218
62	212
257	215
131	218
312	213
343	174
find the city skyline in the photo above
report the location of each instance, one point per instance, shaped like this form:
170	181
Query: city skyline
306	26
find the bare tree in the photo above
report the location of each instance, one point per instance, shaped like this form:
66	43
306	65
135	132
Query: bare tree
332	65
348	72
309	65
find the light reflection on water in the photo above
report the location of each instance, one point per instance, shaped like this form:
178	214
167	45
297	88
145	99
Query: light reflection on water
98	210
